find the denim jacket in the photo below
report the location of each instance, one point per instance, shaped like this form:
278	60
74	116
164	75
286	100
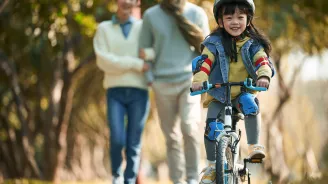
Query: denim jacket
220	70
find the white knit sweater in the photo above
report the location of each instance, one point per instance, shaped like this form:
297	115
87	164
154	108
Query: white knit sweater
117	56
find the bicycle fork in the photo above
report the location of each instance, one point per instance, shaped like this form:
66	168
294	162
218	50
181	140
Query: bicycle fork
236	146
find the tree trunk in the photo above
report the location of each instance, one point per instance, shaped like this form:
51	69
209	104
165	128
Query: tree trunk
277	165
62	101
24	116
61	105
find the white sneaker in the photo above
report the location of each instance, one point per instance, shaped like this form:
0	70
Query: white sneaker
209	175
256	151
193	181
117	180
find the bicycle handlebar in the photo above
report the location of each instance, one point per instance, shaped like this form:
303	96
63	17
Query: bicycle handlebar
248	83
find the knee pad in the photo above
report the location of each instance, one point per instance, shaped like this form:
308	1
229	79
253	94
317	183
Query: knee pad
248	104
213	129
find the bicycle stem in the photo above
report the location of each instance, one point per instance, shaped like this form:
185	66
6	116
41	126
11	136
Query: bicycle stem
228	106
228	118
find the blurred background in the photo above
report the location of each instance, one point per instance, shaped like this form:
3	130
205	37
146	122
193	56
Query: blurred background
52	105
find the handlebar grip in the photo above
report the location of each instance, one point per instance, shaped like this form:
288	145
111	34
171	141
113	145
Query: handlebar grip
198	92
258	88
206	86
248	83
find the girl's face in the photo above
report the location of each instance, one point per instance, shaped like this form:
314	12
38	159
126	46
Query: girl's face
235	24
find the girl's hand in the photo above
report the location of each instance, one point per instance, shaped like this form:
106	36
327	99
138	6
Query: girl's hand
196	86
263	82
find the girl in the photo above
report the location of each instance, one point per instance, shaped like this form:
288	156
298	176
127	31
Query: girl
234	51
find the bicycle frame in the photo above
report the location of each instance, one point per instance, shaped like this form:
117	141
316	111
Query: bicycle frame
228	131
229	127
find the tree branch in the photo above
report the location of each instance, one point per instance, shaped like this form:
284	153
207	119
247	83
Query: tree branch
286	89
10	151
91	57
3	5
21	109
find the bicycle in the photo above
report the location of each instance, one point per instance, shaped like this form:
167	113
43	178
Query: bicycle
227	140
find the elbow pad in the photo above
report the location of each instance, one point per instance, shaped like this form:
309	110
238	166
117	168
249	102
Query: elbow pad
197	63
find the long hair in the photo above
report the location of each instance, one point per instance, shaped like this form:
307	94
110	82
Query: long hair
229	42
190	31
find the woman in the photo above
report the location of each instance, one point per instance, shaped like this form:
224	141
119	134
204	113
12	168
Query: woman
116	48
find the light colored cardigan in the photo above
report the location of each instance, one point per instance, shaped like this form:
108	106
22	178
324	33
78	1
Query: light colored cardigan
117	56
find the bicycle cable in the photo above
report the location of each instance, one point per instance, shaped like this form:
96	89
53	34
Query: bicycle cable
234	144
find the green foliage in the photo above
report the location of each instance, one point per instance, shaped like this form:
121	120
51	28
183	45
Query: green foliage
301	24
87	22
35	37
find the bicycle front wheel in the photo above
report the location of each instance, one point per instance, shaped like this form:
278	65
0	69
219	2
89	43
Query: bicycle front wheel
224	162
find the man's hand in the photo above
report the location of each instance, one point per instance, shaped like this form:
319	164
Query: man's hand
263	82
196	86
142	54
145	67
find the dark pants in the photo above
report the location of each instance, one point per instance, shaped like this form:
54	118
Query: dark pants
252	125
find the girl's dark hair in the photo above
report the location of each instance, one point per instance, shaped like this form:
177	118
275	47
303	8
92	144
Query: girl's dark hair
229	42
192	33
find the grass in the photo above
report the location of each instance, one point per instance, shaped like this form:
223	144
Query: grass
26	181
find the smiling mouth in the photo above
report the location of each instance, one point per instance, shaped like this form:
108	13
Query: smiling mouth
234	28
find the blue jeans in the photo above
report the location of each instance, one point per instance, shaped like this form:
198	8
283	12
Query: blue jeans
132	103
